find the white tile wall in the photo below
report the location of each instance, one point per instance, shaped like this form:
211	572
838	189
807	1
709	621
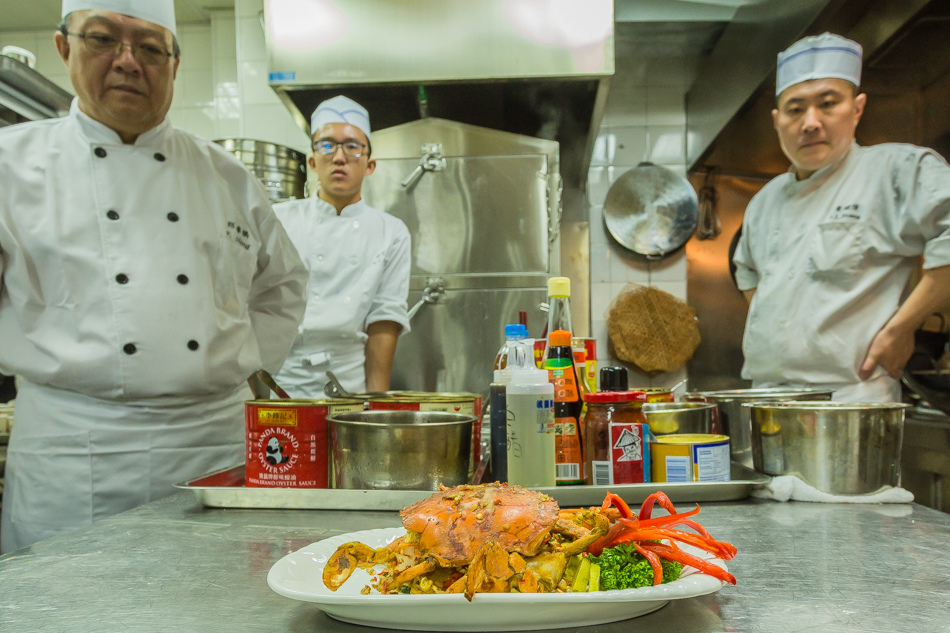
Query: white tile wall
644	119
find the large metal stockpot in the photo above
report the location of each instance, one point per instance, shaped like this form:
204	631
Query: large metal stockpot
281	170
734	420
400	450
666	418
841	448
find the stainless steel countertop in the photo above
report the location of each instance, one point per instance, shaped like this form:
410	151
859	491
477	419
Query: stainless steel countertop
174	565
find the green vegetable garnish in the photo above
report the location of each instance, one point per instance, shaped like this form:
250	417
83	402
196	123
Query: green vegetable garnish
621	567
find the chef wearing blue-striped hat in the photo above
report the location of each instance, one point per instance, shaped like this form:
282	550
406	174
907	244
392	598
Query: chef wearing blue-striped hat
828	248
143	279
358	258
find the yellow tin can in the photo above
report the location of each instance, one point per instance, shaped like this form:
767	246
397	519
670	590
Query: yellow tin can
689	457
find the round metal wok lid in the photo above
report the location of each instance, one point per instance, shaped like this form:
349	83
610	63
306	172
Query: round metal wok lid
651	211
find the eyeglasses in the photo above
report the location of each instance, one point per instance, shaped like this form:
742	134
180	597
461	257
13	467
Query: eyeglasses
148	53
353	149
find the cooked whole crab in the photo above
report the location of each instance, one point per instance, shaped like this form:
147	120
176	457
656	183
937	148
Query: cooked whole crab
469	539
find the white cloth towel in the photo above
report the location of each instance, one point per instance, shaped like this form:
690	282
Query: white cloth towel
789	487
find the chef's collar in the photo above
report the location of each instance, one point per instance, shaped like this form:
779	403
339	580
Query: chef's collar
795	186
349	211
96	132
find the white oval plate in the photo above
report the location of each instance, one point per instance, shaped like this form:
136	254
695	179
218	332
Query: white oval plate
299	575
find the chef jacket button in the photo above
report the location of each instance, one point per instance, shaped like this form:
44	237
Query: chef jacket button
172	217
319	258
159	157
356	224
183	279
192	345
353	261
112	214
100	152
128	348
122	278
791	275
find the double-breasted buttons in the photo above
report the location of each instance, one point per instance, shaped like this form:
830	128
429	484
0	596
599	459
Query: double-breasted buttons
122	278
129	348
172	217
159	157
193	345
100	152
183	279
112	214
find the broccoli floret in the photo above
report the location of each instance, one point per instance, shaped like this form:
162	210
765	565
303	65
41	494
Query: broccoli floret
621	567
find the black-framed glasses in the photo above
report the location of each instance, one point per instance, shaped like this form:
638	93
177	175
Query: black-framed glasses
353	149
148	53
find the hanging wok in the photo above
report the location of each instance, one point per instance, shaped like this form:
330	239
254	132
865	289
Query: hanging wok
651	211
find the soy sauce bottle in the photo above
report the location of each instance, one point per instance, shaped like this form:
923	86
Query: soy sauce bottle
568	438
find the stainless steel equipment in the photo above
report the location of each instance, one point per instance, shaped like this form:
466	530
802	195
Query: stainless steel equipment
841	448
651	211
400	450
281	170
485	238
26	95
734	419
666	418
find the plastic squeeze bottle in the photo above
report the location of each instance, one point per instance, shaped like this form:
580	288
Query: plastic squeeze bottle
512	355
530	428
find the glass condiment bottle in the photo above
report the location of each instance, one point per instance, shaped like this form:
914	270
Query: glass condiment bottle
569	447
616	439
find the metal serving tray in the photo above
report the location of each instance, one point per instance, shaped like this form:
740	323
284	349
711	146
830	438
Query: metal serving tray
226	489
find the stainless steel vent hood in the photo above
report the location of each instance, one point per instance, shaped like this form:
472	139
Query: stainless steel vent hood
530	67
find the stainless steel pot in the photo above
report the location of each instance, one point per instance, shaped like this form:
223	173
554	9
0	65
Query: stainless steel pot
734	420
841	448
400	450
666	418
281	170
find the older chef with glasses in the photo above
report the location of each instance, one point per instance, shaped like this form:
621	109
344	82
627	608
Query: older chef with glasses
359	262
828	248
143	279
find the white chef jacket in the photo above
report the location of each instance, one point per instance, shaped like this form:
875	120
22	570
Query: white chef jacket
829	258
359	263
140	285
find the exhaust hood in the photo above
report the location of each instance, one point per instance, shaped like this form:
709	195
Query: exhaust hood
532	67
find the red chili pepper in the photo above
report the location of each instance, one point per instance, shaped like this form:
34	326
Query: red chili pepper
676	554
655	564
617	502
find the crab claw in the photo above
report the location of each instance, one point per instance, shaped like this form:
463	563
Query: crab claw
344	560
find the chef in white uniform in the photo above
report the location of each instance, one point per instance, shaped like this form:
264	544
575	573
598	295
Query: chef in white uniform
143	278
359	263
827	249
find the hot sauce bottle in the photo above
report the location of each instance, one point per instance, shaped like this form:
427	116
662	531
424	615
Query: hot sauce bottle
568	437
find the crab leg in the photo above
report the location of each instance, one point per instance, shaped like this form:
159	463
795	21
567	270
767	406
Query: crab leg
344	560
418	569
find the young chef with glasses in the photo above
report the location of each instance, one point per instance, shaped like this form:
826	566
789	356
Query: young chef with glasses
359	262
827	249
143	279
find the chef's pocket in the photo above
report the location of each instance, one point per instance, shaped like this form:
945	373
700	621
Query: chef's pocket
234	270
50	483
836	251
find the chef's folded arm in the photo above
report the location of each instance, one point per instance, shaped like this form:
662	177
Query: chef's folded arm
387	318
278	295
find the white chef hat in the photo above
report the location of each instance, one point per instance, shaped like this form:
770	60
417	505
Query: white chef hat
818	57
340	109
161	12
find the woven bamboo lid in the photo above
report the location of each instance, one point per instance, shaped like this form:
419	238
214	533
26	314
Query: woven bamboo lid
652	329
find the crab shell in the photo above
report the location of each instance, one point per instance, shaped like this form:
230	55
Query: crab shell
453	523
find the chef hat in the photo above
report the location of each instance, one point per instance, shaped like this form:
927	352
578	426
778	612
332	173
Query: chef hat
818	57
161	12
340	109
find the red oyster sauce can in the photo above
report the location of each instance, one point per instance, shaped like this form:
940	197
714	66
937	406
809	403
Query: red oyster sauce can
469	403
286	441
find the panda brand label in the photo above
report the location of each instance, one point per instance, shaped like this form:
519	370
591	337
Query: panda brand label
286	444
